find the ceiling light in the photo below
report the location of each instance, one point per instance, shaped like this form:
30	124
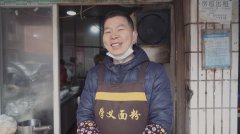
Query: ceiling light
71	12
35	9
16	12
94	29
35	35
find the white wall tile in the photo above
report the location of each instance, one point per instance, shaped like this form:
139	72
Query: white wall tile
218	26
201	26
226	26
225	121
235	37
233	123
226	74
193	10
210	74
218	74
235	10
202	95
194	67
226	93
210	94
209	121
202	72
234	94
193	122
194	35
188	65
187	13
218	94
210	26
194	99
217	121
187	37
202	121
234	71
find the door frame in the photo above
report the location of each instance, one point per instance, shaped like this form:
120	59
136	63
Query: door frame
177	38
177	57
181	112
56	68
1	62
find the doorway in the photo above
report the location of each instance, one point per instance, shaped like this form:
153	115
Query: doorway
80	39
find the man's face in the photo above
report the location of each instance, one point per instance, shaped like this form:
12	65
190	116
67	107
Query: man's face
118	35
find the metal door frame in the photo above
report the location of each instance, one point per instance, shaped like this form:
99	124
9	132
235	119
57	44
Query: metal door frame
1	62
56	79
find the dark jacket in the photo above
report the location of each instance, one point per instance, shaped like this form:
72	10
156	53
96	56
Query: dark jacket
157	88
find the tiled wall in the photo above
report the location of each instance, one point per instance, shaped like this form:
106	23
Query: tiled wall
213	106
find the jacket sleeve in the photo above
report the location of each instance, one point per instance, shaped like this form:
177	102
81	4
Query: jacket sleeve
154	129
85	111
161	106
88	127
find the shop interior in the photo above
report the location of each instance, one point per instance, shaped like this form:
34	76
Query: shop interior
27	61
30	77
81	44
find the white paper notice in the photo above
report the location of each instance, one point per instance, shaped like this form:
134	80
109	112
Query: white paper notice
217	50
219	11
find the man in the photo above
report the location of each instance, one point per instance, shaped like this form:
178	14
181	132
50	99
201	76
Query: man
126	94
63	73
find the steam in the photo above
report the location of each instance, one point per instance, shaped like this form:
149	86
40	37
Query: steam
35	101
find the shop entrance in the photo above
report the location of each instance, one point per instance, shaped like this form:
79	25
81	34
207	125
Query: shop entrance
78	46
81	33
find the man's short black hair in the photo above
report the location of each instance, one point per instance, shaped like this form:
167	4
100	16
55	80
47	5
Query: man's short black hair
115	13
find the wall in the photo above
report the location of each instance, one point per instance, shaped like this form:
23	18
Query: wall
213	106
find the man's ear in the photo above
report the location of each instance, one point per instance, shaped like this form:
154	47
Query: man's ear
135	35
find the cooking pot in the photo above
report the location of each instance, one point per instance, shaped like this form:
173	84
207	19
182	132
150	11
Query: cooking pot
32	126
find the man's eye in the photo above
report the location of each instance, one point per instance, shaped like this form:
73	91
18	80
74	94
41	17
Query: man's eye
120	29
106	32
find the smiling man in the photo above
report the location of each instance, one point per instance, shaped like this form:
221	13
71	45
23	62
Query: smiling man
118	38
127	93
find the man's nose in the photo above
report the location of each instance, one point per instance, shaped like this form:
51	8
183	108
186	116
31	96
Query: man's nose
114	35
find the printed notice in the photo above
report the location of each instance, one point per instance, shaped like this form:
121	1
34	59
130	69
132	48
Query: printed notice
219	11
216	50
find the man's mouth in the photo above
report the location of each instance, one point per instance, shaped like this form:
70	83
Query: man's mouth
115	44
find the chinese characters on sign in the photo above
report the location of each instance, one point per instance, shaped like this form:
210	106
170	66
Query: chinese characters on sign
216	46
119	115
215	11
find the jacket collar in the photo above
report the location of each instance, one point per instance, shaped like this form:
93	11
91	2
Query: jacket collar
139	57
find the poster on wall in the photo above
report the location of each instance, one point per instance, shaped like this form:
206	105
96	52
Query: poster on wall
219	11
216	49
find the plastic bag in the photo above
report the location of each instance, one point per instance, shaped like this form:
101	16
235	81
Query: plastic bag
8	125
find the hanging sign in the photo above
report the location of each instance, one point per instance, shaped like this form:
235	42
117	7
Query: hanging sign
216	49
219	11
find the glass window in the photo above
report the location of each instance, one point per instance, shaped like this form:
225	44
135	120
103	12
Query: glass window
27	57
